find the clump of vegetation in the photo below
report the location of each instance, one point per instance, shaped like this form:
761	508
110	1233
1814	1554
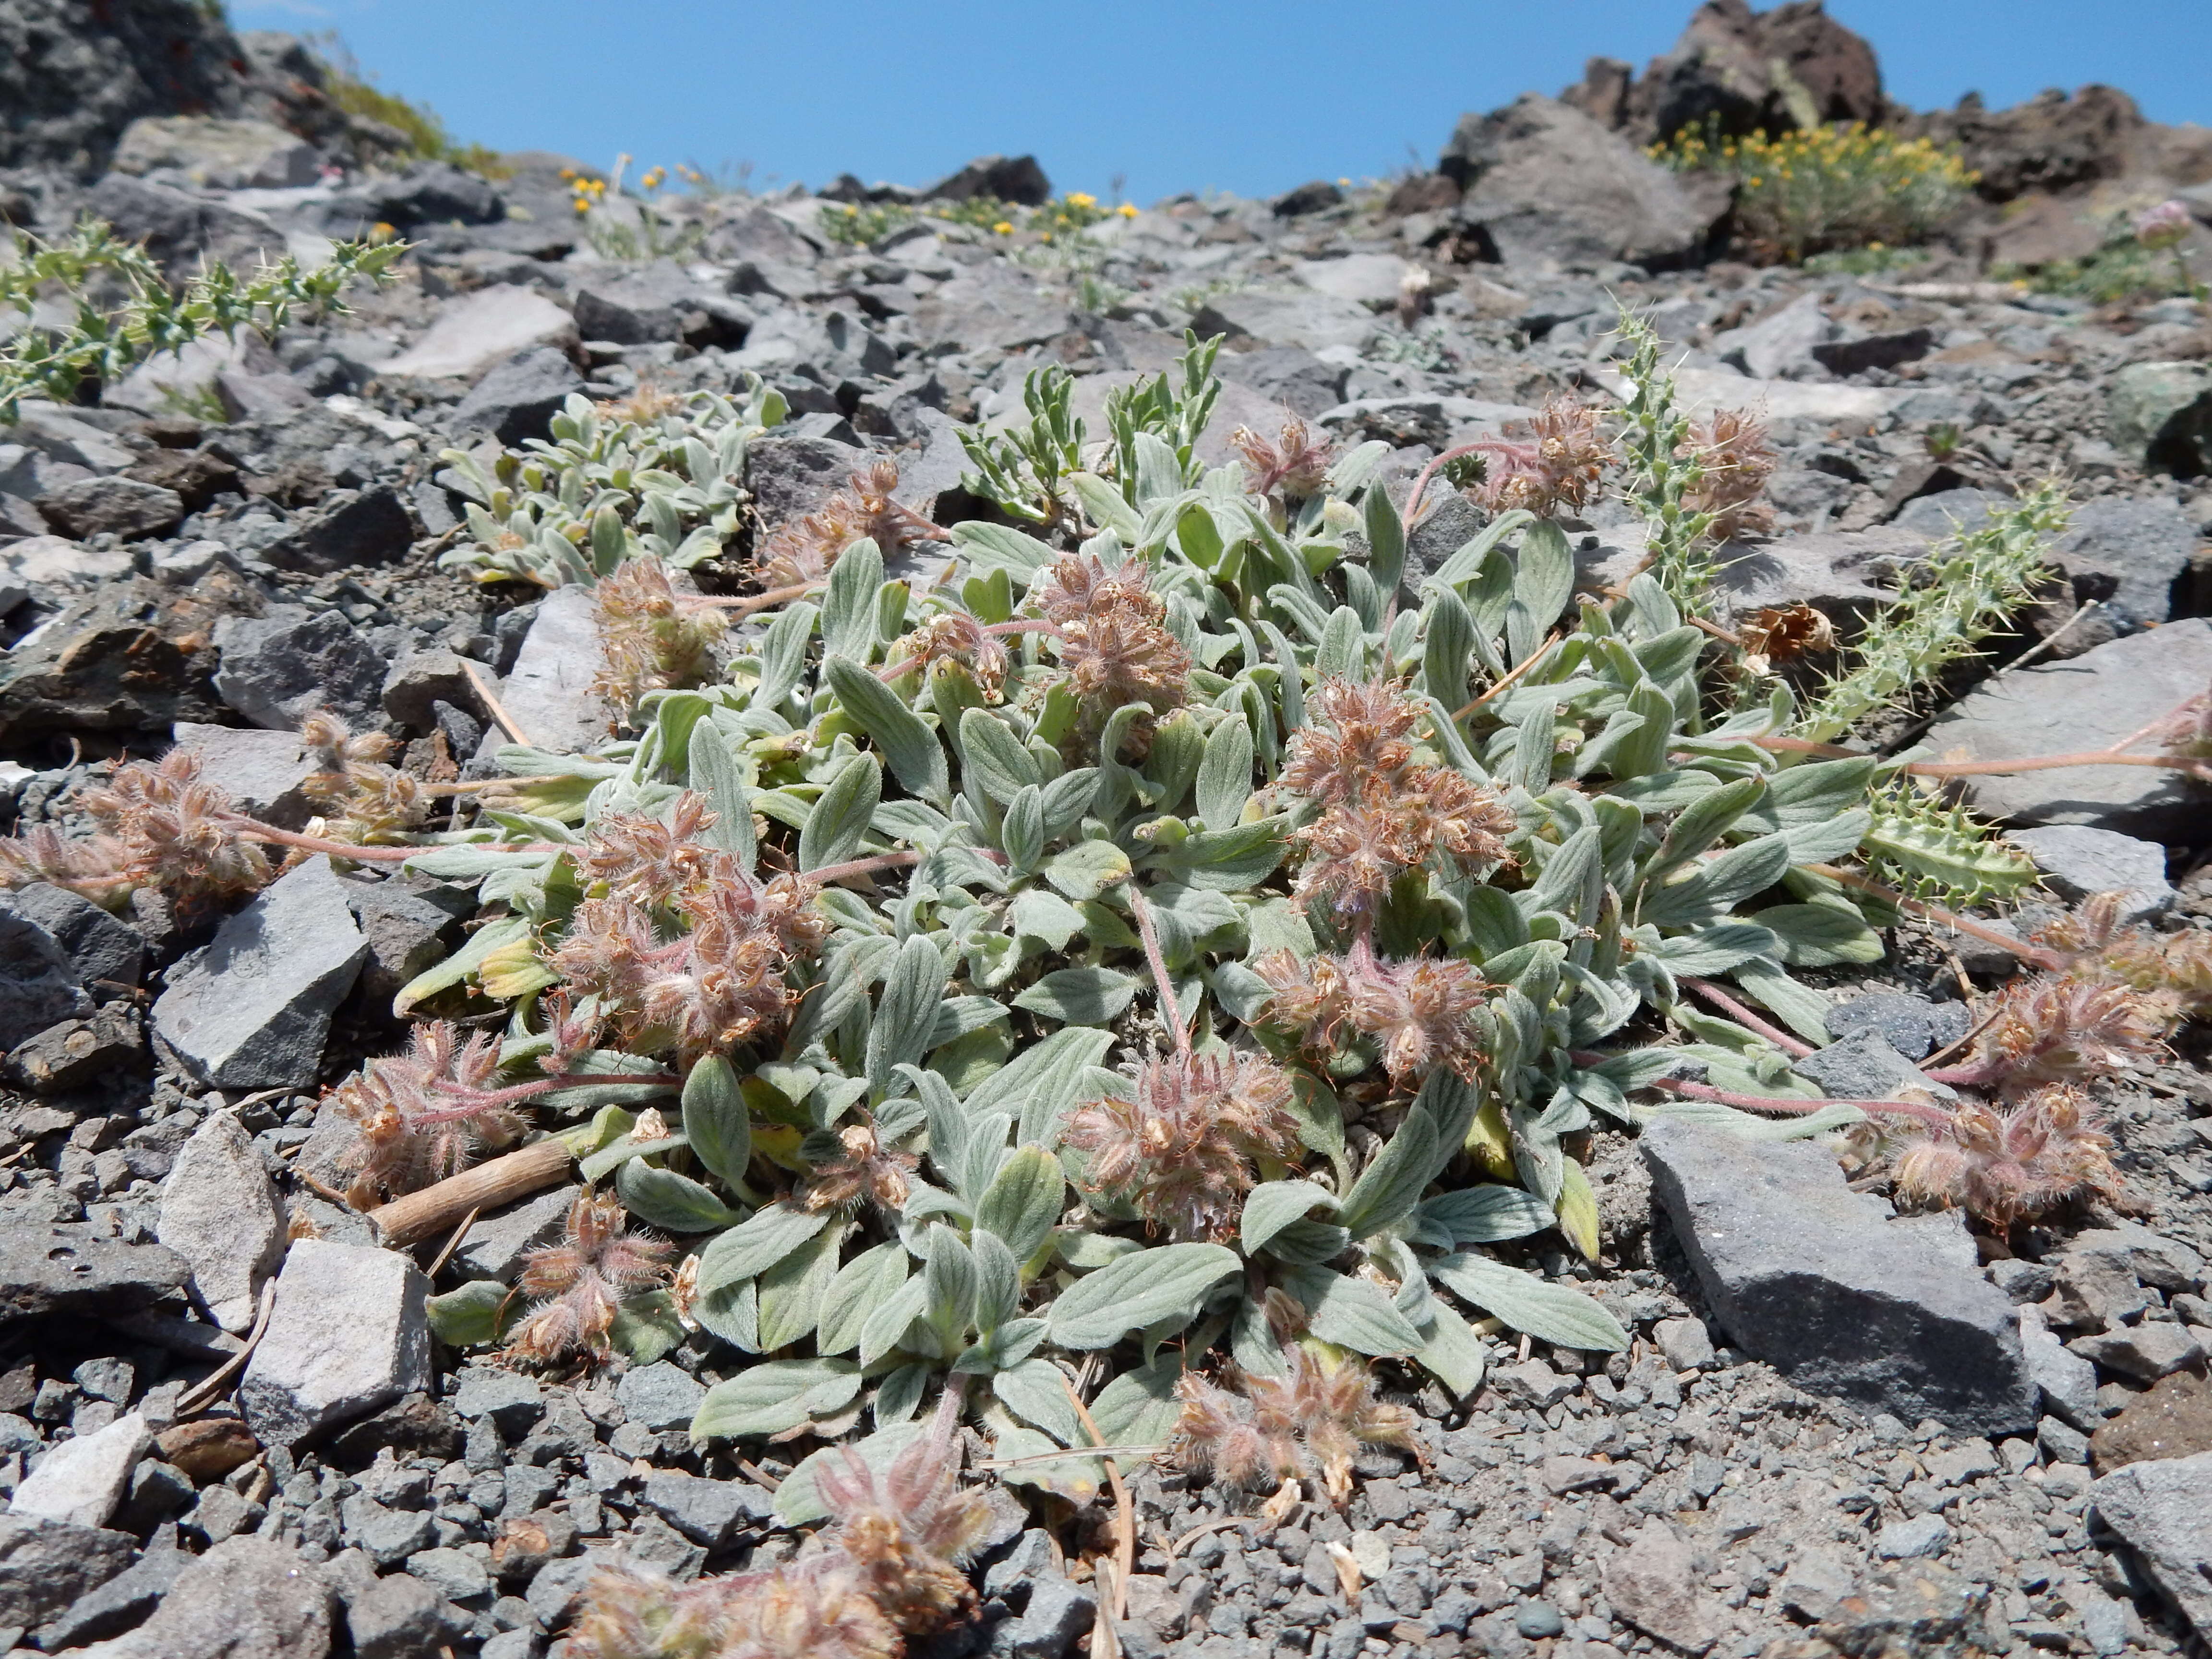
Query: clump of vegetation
1015	957
2142	257
858	224
423	130
105	339
1818	189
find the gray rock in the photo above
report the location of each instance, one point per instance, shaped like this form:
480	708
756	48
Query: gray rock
453	1573
1286	317
2060	1444
1002	313
1913	1025
1059	1612
2088	703
99	948
494	1246
1290	375
2146	1352
82	1053
2077	861
1819	1282
1865	1067
81	1481
1375	280
1548	183
1685	1344
2067	1382
281	667
549	695
2140	547
400	1617
261	771
350	1335
1920	1611
1016	178
216	153
220	1213
705	1511
1853	353
1834	572
407	933
478	330
2023	1281
251	1009
1812	1585
1654	1585
1913	1537
2160	416
2158	1506
420	680
662	301
387	1535
433	192
793	475
38	562
518	399
510	1400
72	1267
46	1566
352	528
112	507
1947	512
1780	346
110	1608
247	1598
660	1395
38	981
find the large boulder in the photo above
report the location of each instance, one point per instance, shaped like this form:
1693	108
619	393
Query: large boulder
220	154
1545	182
74	76
2053	141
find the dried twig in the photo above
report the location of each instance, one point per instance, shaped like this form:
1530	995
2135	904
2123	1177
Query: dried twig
411	1220
217	1380
1125	1522
453	1243
491	702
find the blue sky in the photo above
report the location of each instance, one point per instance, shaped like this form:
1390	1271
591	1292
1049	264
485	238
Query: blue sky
1249	97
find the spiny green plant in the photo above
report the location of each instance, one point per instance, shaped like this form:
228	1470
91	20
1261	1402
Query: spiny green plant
103	339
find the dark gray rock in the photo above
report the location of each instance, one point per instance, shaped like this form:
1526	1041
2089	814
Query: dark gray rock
429	192
112	507
1919	1612
1290	317
247	1598
38	980
2160	416
2077	861
2158	1507
1823	1285
656	302
82	1053
220	1213
790	477
98	947
660	1395
116	1606
495	1247
1292	376
46	1566
510	1400
1781	345
706	1511
1855	353
251	1009
261	770
407	933
1865	1067
1312	196
1545	181
1059	1612
279	668
1913	1025
353	528
399	1617
2090	703
73	1267
1945	512
420	680
1016	178
350	1334
2146	1352
2142	547
519	398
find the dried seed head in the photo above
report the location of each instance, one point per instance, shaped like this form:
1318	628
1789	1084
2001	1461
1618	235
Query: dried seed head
426	1114
908	1528
650	638
1773	637
803	549
1311	1421
954	636
177	833
95	868
1183	1151
1419	1011
2062	1028
363	799
2001	1163
1558	467
582	1282
1297	463
866	1170
1737	458
1113	637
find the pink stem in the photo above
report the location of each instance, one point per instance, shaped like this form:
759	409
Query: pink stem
1934	1117
1157	961
1421	481
254	829
1743	1016
830	872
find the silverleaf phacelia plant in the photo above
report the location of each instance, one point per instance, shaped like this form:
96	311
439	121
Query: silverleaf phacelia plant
1173	923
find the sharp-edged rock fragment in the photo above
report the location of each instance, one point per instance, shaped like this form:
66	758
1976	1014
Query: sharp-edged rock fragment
549	696
247	1598
252	1009
74	1267
2159	1507
220	1212
1825	1286
46	1565
81	1481
2077	861
349	1333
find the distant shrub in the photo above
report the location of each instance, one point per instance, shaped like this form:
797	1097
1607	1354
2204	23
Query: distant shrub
2141	257
422	127
1826	188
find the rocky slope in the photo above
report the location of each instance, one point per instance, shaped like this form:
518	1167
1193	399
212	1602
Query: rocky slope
1836	1432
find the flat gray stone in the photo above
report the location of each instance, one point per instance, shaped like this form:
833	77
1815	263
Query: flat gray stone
73	1267
251	1010
1779	346
2089	702
660	1395
2139	546
2077	861
247	1598
1913	1537
1913	1025
350	1335
46	1565
281	666
98	947
481	329
1654	1585
1286	317
519	398
81	1481
38	981
2066	1382
549	696
2158	1506
2159	415
220	1213
1867	1066
1823	1285
705	1511
495	1247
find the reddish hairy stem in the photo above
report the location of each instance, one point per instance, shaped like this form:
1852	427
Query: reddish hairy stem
1421	481
1158	963
2195	768
254	829
1744	1017
830	872
746	604
1934	1117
